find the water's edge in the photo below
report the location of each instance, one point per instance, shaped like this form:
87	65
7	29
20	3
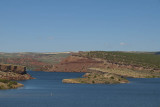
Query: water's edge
47	90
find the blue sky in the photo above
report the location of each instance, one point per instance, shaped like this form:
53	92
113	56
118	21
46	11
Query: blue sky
79	25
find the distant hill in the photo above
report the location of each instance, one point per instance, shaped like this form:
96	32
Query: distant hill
80	62
46	61
33	61
141	59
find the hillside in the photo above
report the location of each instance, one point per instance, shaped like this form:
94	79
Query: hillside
144	60
110	67
33	61
79	62
76	64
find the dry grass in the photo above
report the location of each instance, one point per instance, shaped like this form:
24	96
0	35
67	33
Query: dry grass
128	73
97	78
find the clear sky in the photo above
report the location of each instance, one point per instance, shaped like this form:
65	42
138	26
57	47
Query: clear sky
79	25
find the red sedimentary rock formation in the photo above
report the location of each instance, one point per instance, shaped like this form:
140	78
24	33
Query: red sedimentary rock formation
76	64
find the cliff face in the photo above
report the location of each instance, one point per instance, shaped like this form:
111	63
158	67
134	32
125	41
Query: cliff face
76	64
13	72
13	68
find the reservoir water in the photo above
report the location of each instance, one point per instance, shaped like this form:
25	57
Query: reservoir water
47	90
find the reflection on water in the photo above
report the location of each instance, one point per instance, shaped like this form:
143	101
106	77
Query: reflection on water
47	90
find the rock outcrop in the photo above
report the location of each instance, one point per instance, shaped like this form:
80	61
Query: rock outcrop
13	68
14	76
13	72
10	72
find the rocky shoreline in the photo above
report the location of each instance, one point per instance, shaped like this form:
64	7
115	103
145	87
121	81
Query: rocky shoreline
9	73
14	76
7	84
110	76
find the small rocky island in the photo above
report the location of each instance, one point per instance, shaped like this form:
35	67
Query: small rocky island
9	73
98	77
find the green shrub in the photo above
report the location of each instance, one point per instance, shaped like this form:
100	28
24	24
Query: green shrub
93	81
112	77
1	87
13	82
4	80
9	85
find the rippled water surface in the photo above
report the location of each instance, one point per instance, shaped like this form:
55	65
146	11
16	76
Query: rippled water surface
47	90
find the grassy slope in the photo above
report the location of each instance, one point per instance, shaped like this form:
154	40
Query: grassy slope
128	73
146	60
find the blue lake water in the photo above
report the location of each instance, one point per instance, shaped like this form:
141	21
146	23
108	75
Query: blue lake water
47	90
